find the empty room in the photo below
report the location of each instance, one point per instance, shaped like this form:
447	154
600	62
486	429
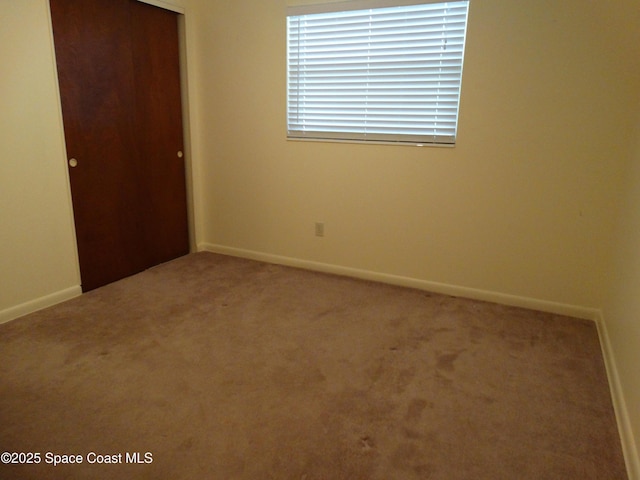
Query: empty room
319	239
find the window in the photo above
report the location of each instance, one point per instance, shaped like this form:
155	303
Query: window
384	74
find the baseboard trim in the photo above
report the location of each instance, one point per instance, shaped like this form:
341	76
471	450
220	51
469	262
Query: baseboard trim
435	287
629	448
39	303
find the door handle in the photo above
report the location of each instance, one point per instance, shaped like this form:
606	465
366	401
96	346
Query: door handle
73	162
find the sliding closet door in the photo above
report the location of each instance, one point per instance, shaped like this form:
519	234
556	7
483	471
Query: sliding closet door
118	70
159	130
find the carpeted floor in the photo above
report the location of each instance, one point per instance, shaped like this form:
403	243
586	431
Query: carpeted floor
212	367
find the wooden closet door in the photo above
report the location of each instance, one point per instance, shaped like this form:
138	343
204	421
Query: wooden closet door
118	71
158	121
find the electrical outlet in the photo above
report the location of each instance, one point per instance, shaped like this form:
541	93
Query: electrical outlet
319	229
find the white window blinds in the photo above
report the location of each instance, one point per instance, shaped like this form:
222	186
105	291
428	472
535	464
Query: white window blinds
380	74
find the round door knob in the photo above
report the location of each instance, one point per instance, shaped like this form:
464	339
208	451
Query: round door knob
179	153
73	162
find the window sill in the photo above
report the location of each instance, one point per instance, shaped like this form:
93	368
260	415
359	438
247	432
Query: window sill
371	142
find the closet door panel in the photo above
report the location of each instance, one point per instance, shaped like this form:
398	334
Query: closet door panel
156	63
123	132
95	74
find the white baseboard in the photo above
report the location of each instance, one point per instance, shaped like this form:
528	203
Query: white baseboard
39	303
435	287
629	447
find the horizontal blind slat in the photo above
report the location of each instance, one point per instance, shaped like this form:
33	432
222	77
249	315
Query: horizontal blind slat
388	72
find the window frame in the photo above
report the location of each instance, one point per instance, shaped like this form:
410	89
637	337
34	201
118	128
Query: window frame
394	138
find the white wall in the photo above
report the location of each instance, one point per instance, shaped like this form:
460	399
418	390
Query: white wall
524	205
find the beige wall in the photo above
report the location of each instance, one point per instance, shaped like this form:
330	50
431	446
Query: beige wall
622	310
523	205
38	259
37	243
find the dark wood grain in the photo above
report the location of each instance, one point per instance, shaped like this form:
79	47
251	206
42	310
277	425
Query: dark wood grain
121	125
159	127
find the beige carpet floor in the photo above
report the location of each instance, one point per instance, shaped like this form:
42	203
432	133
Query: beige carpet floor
212	367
